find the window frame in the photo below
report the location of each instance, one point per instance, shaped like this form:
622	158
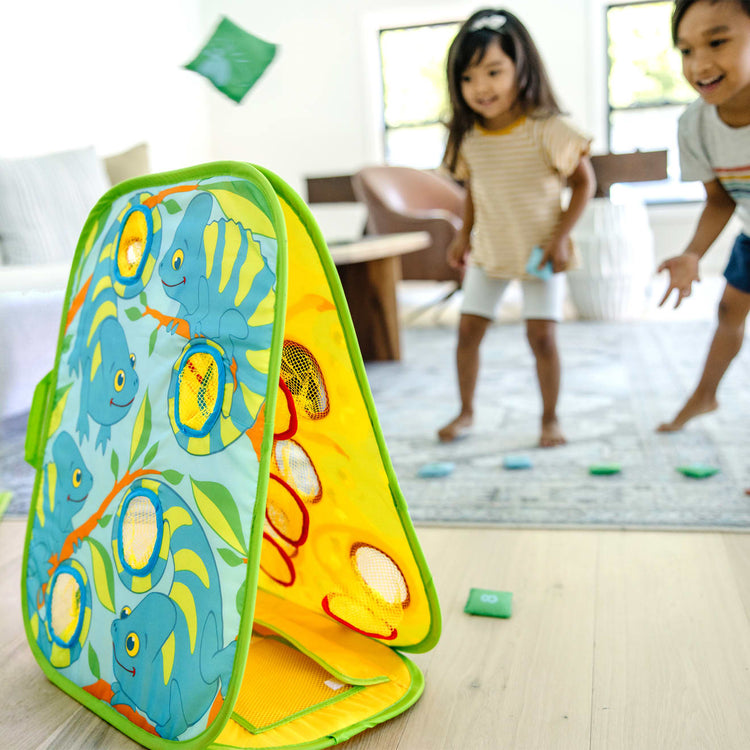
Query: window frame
385	128
663	192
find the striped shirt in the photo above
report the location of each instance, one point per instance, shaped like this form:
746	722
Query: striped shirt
710	150
516	176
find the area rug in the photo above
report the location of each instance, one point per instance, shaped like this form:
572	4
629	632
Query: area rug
619	381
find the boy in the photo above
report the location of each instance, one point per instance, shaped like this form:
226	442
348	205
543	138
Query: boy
713	37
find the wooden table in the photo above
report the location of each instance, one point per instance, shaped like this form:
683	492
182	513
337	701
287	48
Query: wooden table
369	269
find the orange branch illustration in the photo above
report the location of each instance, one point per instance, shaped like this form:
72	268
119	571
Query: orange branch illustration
75	305
103	690
159	197
183	327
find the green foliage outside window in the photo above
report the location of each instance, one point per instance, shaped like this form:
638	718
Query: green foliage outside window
413	60
645	69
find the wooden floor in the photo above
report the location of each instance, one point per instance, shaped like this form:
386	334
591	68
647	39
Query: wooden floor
618	641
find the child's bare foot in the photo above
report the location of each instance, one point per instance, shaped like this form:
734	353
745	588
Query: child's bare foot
551	434
458	428
693	408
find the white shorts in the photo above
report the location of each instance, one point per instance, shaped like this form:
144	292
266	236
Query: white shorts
542	300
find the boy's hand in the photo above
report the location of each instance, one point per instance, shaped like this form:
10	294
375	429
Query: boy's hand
458	252
683	271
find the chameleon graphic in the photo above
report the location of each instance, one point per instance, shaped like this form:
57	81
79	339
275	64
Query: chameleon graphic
109	381
66	485
100	351
225	287
169	661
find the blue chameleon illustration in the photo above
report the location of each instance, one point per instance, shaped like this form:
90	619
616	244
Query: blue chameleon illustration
169	659
215	270
100	352
108	378
66	484
225	287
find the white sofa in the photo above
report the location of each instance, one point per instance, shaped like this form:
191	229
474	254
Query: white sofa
44	202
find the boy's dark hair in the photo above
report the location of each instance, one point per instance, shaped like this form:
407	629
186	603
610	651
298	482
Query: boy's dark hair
680	6
535	94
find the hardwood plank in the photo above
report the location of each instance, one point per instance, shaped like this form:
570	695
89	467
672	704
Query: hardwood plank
672	645
738	551
518	683
618	640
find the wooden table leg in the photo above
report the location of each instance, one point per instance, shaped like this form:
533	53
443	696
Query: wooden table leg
370	289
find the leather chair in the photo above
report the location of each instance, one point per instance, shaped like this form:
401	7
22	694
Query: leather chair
403	199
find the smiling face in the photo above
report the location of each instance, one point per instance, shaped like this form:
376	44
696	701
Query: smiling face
114	382
184	264
714	41
489	87
74	480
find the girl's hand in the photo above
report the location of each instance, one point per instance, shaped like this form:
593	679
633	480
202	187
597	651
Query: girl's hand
458	252
557	252
683	271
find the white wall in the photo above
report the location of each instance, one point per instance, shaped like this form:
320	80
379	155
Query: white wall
316	109
109	74
89	72
313	111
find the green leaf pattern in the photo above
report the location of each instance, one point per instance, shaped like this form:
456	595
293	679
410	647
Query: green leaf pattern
218	507
141	430
102	573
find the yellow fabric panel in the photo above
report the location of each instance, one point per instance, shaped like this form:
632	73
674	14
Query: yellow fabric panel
281	682
342	651
356	707
356	507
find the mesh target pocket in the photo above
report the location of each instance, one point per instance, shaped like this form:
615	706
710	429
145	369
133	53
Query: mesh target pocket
133	245
303	377
281	684
66	607
200	386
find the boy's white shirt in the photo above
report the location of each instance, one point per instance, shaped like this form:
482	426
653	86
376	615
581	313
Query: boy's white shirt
711	149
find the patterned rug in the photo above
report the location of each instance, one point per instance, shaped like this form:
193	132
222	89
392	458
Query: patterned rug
16	476
619	381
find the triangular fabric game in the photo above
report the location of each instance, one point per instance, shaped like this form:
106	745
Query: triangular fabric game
218	554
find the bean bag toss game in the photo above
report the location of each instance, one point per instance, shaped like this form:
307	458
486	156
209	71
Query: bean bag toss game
218	554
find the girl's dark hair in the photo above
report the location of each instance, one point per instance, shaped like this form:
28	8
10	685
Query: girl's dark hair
681	6
535	95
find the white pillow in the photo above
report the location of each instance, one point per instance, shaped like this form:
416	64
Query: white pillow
44	202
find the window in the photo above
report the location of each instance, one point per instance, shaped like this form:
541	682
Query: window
415	93
646	92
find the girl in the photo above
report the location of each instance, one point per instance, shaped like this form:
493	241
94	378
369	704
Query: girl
507	140
714	136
